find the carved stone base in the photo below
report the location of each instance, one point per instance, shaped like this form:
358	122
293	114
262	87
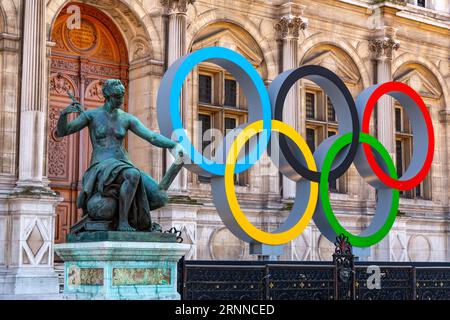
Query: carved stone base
99	236
27	221
121	270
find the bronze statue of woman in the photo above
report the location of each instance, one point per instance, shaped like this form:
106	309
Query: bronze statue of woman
114	191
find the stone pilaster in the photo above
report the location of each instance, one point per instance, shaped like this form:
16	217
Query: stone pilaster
176	12
289	28
9	92
28	217
444	118
34	96
382	48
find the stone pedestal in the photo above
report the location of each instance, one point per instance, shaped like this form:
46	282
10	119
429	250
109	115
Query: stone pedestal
113	270
27	222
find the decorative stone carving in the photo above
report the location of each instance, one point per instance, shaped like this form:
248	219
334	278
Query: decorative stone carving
419	248
301	248
58	148
289	26
36	246
325	248
384	47
94	91
399	2
105	4
140	50
64	65
59	84
85	276
223	245
188	234
100	69
142	277
176	6
83	39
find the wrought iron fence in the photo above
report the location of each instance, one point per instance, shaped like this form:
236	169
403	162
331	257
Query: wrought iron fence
237	280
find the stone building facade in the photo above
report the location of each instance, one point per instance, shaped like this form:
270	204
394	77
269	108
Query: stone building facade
49	47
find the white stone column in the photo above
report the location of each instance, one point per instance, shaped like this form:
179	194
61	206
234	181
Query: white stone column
176	11
289	28
34	96
382	48
28	220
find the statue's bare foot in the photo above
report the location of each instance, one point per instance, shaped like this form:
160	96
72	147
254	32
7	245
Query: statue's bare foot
125	227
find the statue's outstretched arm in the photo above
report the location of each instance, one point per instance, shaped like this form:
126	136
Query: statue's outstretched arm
64	128
154	138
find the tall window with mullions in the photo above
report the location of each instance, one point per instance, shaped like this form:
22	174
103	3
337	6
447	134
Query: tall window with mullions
322	123
330	111
404	149
333	184
230	93
311	139
205	89
205	121
221	108
230	124
310	105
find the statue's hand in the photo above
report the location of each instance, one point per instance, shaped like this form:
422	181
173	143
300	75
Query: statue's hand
179	152
73	108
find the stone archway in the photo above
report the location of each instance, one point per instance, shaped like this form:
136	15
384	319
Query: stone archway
217	16
409	59
340	44
135	24
9	15
2	19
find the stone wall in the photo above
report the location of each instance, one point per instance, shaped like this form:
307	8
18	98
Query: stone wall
340	35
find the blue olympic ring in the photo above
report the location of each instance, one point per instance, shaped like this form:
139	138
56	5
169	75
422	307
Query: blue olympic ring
248	78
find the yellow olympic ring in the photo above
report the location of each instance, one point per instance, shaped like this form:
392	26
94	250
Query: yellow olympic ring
252	231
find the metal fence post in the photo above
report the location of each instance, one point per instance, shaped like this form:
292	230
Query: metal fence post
344	270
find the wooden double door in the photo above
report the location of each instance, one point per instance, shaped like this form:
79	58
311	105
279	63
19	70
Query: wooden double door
82	59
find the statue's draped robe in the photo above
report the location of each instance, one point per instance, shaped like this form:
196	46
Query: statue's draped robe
102	177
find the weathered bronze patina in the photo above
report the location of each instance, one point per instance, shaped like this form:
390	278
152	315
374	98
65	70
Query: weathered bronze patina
115	194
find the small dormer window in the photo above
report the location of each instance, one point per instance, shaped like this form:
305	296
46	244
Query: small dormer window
421	3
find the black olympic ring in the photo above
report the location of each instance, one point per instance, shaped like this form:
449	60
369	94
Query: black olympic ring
343	104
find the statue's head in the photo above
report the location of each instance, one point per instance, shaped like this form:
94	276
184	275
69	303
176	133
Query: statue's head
114	92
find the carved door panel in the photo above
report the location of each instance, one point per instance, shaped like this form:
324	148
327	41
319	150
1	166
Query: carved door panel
82	59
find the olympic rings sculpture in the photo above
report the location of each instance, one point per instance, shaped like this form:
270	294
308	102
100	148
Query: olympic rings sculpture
312	173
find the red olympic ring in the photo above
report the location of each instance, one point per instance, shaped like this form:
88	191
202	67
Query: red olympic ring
386	179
